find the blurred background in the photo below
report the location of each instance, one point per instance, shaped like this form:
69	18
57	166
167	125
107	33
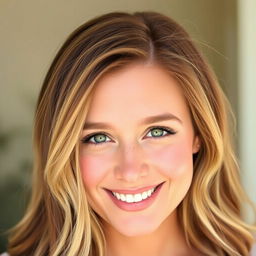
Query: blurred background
31	32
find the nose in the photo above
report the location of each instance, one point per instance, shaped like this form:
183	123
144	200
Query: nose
132	164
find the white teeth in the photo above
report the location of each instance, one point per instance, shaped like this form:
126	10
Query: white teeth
150	192
122	197
137	198
129	198
118	196
144	195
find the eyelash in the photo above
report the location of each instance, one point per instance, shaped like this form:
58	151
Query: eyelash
86	139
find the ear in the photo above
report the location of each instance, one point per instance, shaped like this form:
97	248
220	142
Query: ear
196	144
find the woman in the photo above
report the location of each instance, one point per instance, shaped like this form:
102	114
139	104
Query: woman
132	149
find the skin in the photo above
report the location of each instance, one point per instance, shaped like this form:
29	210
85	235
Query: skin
129	156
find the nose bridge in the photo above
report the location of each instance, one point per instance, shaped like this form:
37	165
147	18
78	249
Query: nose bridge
130	154
131	163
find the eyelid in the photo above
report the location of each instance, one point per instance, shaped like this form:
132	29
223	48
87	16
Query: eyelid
169	131
89	136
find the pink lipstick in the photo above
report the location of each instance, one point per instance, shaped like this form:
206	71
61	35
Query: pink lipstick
135	200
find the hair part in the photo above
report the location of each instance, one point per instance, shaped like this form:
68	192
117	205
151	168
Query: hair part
59	219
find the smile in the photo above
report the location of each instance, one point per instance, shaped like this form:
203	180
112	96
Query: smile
131	198
135	200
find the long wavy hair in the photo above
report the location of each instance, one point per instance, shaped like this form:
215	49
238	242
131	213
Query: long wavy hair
59	220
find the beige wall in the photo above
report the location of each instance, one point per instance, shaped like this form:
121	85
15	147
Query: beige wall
246	94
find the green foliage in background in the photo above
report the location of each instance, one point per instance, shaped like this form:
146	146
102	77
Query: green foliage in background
14	187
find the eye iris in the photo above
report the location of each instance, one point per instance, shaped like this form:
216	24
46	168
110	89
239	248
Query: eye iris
100	138
157	132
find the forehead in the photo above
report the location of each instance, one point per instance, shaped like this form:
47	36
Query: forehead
136	91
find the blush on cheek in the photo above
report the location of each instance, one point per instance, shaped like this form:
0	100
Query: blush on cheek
173	160
93	169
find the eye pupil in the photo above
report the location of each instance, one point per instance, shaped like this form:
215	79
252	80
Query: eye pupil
157	132
100	138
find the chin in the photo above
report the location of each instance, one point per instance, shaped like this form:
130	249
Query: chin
137	229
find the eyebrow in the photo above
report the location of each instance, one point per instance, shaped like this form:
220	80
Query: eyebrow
144	121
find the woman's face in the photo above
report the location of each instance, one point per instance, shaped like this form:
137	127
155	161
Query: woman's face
138	142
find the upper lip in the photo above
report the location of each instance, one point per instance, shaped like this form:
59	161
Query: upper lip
134	190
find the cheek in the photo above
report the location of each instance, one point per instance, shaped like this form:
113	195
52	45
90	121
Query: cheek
173	160
93	169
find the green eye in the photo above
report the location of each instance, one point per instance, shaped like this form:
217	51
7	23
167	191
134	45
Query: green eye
160	132
99	138
157	132
96	139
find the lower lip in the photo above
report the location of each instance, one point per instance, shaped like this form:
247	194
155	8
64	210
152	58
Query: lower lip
136	206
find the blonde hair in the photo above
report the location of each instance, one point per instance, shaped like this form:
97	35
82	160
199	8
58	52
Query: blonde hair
59	220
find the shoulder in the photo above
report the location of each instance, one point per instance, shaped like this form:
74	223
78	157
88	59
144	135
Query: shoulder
4	254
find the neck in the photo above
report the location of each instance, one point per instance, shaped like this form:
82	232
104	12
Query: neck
167	240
